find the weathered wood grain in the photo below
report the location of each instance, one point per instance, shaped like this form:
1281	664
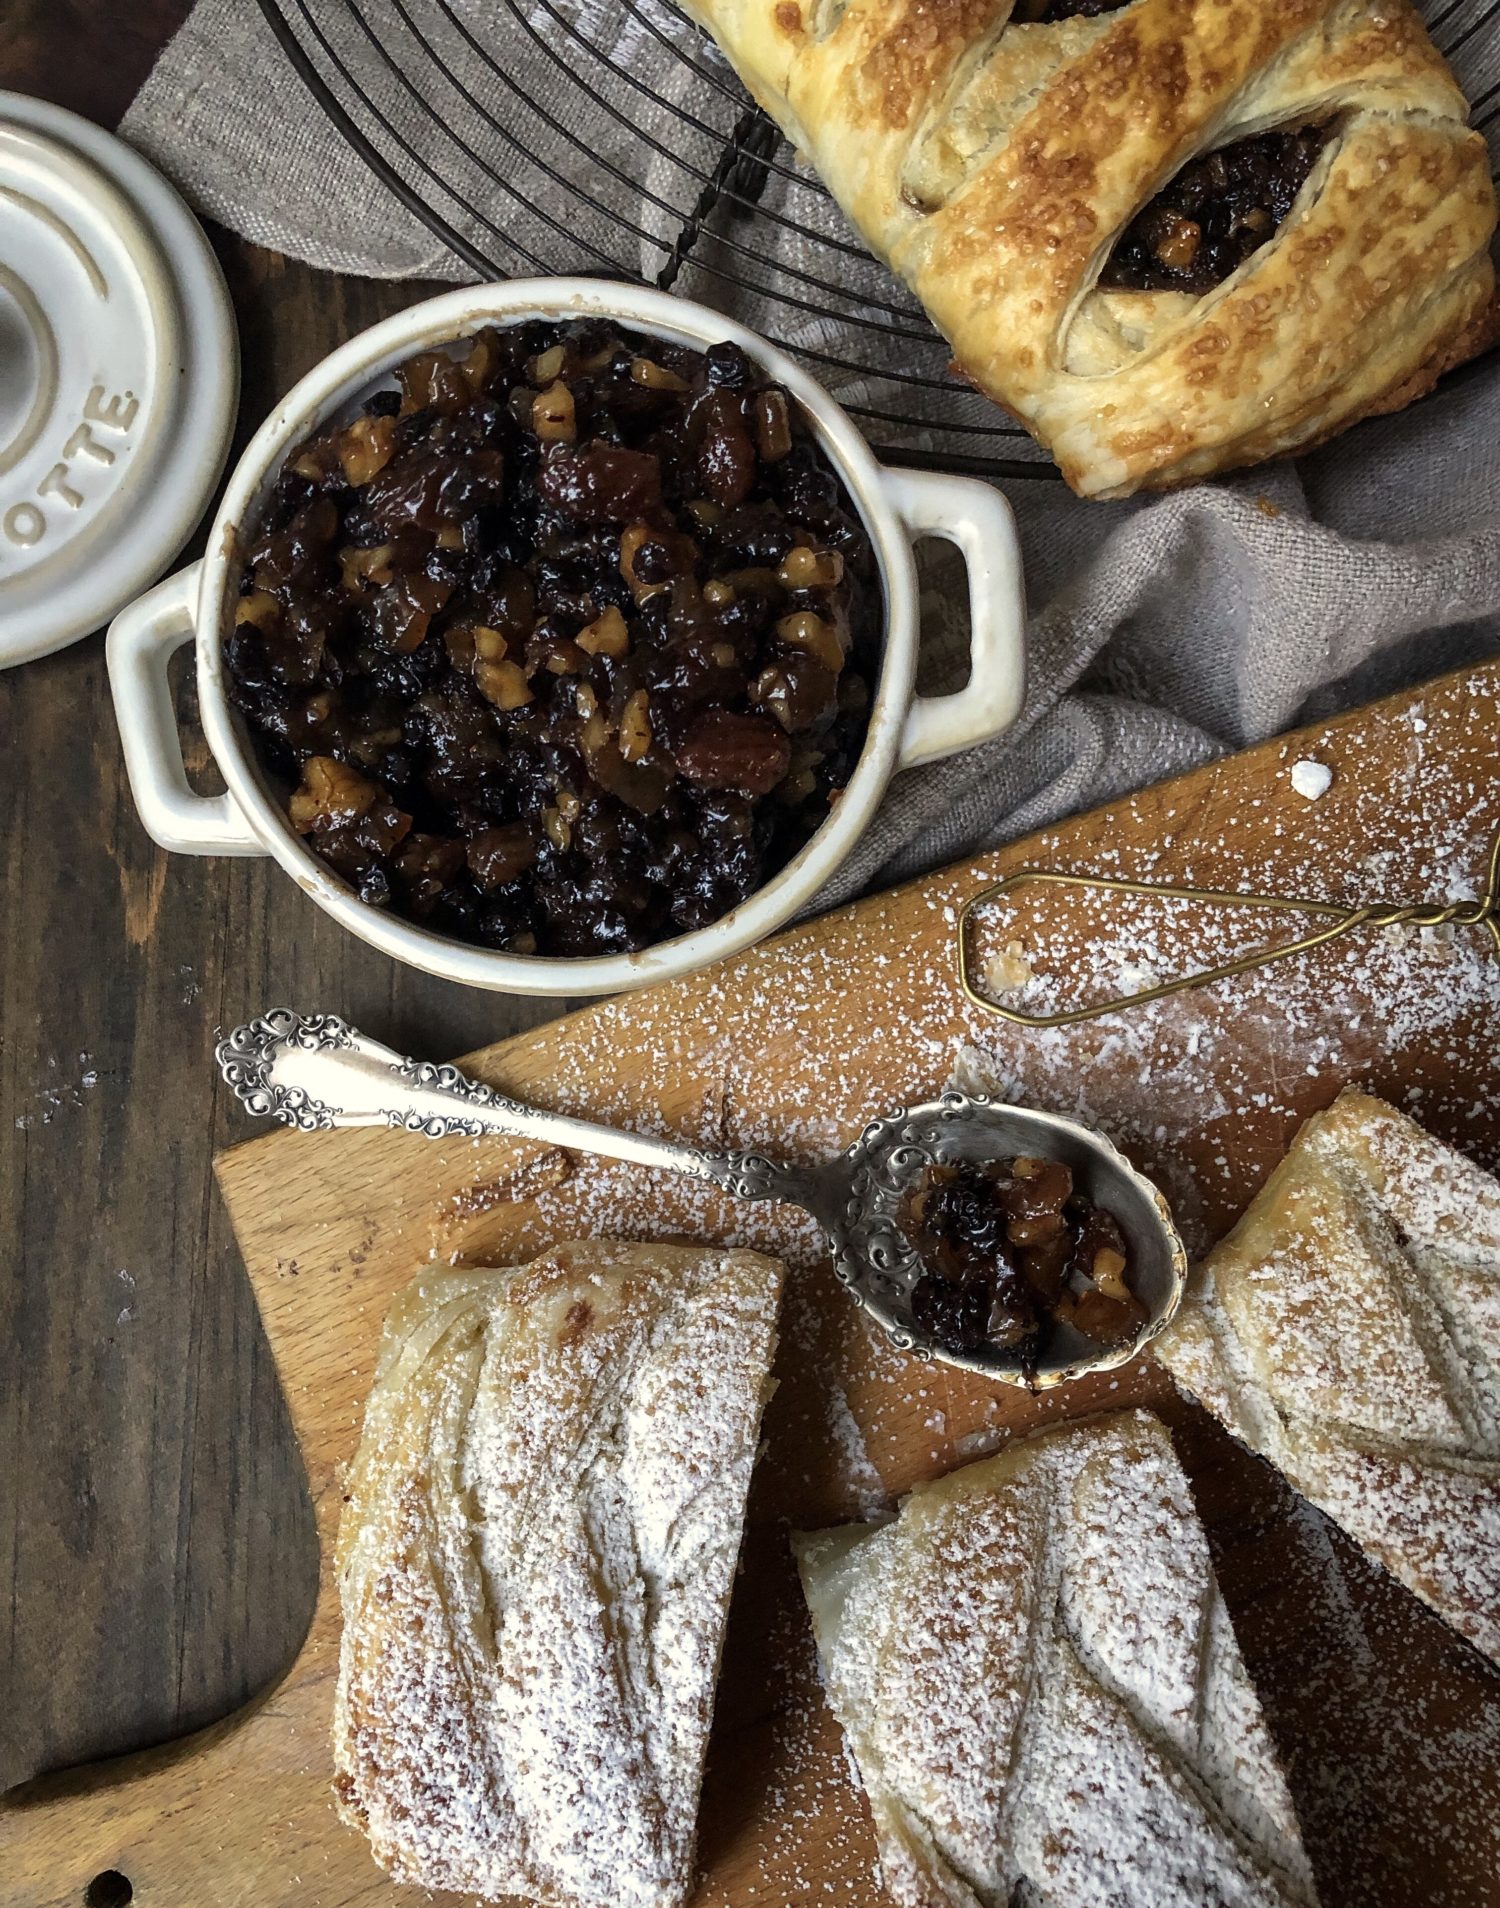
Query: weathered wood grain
1390	1725
156	1550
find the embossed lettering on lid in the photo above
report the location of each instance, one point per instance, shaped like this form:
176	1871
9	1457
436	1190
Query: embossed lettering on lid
118	376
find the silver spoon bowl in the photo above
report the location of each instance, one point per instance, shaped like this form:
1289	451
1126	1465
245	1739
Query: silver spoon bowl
315	1072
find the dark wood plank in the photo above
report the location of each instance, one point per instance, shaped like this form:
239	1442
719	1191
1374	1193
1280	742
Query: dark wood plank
88	55
156	1549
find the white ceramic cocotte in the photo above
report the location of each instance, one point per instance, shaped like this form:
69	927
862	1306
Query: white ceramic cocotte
898	507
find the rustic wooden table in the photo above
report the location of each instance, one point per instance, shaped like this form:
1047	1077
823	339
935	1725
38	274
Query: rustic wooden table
155	1541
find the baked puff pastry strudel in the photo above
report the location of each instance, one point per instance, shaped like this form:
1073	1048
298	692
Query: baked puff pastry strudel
1171	236
535	1562
1348	1329
1042	1692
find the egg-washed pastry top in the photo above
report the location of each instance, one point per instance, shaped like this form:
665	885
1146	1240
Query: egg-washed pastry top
1171	236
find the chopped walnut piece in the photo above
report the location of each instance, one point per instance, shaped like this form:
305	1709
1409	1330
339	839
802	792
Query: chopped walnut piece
360	567
482	359
811	633
635	538
545	367
366	447
330	794
552	415
1108	1273
1177	245
655	377
313	463
797	692
606	635
807	569
502	683
259	609
635	727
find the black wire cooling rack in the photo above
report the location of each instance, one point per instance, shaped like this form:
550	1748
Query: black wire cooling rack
610	137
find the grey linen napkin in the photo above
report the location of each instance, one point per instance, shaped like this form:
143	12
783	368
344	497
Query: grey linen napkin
1163	631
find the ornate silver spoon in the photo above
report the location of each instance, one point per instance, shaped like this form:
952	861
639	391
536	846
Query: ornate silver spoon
315	1071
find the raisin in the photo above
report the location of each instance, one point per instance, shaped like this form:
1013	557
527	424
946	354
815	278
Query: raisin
728	366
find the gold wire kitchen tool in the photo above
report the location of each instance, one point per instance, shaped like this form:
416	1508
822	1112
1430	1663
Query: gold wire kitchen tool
1481	913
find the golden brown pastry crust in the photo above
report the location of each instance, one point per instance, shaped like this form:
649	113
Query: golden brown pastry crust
535	1564
994	165
1348	1329
1042	1691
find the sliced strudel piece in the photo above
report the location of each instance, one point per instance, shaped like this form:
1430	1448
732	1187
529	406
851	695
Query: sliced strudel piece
1042	1691
535	1565
1348	1329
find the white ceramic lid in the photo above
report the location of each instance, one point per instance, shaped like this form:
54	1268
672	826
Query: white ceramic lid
119	375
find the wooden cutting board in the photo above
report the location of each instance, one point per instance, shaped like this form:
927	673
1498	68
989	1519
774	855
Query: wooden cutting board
1389	1725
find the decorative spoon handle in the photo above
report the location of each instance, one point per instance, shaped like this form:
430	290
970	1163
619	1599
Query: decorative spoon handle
315	1071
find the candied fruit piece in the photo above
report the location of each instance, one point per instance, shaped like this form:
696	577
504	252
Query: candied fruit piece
749	753
502	683
726	456
497	856
601	483
553	416
366	447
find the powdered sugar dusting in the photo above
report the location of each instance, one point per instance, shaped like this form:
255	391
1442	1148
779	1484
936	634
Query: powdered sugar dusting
1391	1743
1168	1078
853	1454
535	1568
1391	1724
1353	1330
1039	1688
